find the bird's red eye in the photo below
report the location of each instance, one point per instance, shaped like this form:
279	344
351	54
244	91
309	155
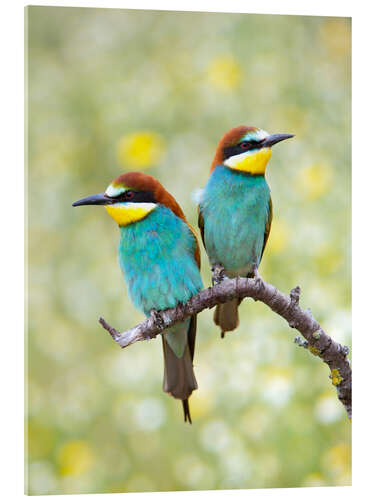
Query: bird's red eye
129	195
244	145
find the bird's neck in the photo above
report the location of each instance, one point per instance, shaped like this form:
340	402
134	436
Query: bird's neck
233	180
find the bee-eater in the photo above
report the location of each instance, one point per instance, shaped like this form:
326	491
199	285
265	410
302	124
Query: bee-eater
235	210
160	260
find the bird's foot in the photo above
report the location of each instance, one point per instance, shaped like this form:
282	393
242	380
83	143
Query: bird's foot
257	278
218	274
256	272
158	321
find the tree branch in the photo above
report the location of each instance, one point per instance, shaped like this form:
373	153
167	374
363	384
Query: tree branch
315	338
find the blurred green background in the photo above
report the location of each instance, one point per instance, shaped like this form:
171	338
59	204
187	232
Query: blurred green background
113	90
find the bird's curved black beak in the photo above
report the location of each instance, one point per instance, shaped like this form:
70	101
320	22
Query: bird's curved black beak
275	138
95	199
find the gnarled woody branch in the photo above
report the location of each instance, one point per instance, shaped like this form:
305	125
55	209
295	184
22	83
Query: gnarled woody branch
316	340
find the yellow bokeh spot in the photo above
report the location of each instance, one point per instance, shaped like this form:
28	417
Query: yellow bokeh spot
314	181
336	36
338	459
278	239
140	149
314	479
224	73
75	458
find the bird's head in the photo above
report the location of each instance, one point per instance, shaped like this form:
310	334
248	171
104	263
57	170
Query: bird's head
131	197
247	149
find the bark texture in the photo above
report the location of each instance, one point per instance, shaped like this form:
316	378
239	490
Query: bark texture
315	339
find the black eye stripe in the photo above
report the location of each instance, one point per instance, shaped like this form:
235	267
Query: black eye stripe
136	197
241	147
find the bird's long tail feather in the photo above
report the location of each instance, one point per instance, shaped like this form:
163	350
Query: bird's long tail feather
185	406
179	379
226	316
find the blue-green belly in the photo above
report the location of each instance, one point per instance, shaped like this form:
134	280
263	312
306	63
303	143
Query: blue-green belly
235	209
157	258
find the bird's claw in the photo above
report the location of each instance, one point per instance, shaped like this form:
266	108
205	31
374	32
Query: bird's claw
158	321
257	277
157	318
218	274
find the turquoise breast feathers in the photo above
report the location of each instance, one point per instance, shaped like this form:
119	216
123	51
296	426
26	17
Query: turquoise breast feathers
235	209
157	259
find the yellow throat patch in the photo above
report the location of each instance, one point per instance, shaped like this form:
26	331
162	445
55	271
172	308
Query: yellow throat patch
127	213
254	163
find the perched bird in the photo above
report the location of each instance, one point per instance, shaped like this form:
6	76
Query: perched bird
235	210
160	259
